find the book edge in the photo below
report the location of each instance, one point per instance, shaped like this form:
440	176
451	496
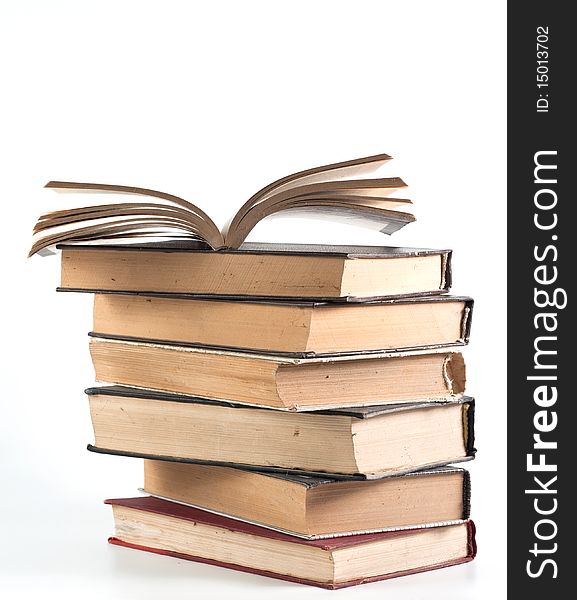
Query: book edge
304	536
336	300
327	585
362	412
304	356
273	469
271	248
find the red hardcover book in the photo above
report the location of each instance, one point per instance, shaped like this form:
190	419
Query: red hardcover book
183	532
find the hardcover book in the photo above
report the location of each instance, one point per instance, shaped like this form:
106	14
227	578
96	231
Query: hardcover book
315	507
336	273
368	443
171	529
281	382
299	329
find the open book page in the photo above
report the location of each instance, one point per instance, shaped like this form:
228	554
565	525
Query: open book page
326	198
169	215
330	192
334	179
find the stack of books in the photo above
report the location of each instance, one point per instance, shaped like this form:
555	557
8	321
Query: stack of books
296	407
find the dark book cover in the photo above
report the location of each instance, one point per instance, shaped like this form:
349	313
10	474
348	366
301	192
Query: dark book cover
345	251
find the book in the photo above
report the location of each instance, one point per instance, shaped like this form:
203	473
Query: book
293	328
315	507
332	191
272	270
171	529
369	442
281	382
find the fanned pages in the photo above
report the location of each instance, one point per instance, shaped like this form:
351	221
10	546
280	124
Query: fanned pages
333	192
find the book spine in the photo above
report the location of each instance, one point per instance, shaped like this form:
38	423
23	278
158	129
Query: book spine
466	494
447	280
466	320
470	428
472	540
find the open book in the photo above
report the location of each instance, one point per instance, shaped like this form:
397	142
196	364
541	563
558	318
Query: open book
334	191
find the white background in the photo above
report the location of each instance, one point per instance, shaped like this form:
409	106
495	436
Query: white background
212	101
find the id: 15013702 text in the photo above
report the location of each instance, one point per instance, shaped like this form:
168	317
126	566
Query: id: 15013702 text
542	69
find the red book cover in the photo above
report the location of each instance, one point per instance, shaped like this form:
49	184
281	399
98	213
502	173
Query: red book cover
171	509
